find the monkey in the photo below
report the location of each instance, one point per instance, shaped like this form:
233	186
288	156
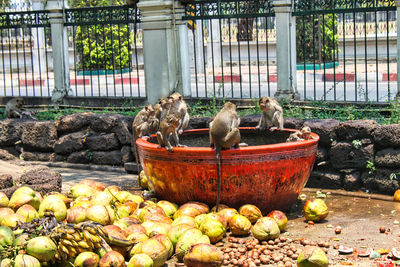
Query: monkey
15	109
224	133
303	134
167	129
161	109
272	113
140	128
180	109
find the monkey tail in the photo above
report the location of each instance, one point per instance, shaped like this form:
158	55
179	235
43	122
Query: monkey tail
218	151
139	168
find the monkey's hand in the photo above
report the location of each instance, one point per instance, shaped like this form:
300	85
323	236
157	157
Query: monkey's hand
169	149
179	145
260	128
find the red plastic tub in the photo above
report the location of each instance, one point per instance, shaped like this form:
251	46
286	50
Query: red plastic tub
269	176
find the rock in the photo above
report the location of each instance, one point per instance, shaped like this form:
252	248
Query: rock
388	157
102	142
359	129
80	157
39	136
70	143
107	158
322	155
130	167
74	122
56	157
324	128
42	180
292	123
344	155
250	120
14	151
325	179
5	155
127	155
198	123
352	181
128	122
10	132
380	182
35	156
387	136
6	181
122	132
104	123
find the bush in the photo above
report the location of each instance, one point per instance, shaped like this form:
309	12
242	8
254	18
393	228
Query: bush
324	46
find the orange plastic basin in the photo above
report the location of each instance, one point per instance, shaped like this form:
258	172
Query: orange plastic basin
268	176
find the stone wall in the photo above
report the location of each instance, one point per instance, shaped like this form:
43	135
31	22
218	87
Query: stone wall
354	155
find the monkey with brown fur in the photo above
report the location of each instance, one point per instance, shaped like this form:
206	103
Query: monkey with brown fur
167	129
303	134
272	113
15	109
162	108
224	133
141	127
180	109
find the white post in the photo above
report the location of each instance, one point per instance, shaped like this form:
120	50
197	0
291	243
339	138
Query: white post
285	51
39	52
198	36
60	51
213	46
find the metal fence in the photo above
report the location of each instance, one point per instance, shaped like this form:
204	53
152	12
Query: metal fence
231	48
25	54
346	50
104	43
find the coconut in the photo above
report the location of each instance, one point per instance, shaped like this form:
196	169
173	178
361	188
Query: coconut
220	207
312	256
185	220
28	212
79	190
156	250
140	260
3	200
81	202
64	198
156	228
101	214
168	207
143	181
315	210
4	212
42	248
176	232
199	219
123	210
87	259
149	209
251	212
23	260
167	243
6	236
126	222
101	198
112	259
239	225
124	196
265	229
54	204
24	195
280	219
134	228
213	229
203	255
227	214
201	207
12	220
137	237
156	217
21	240
6	263
76	214
115	231
188	211
188	238
216	216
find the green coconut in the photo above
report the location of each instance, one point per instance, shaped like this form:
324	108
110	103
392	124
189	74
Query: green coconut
312	257
23	260
54	204
265	228
140	260
213	229
203	255
42	248
188	238
315	210
6	236
24	195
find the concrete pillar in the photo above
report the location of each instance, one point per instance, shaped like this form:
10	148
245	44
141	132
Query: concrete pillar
60	51
38	51
286	51
398	48
214	46
183	49
163	34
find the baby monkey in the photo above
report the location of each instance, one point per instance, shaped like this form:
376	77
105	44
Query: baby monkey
167	129
272	113
224	133
303	134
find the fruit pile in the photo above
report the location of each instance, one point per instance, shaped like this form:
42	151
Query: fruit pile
95	225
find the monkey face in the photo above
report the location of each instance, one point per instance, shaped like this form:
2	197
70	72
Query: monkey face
150	109
264	103
230	106
19	102
165	103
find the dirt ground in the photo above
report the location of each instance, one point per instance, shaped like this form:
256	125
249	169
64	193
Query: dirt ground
359	217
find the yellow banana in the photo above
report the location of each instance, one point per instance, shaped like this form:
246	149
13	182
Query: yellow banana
83	244
91	230
77	236
62	248
119	242
66	242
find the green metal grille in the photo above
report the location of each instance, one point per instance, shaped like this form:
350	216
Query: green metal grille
25	19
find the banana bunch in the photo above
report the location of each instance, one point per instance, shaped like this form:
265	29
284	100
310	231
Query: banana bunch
74	239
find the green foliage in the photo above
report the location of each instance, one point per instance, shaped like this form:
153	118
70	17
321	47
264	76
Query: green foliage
370	167
102	46
317	38
357	143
